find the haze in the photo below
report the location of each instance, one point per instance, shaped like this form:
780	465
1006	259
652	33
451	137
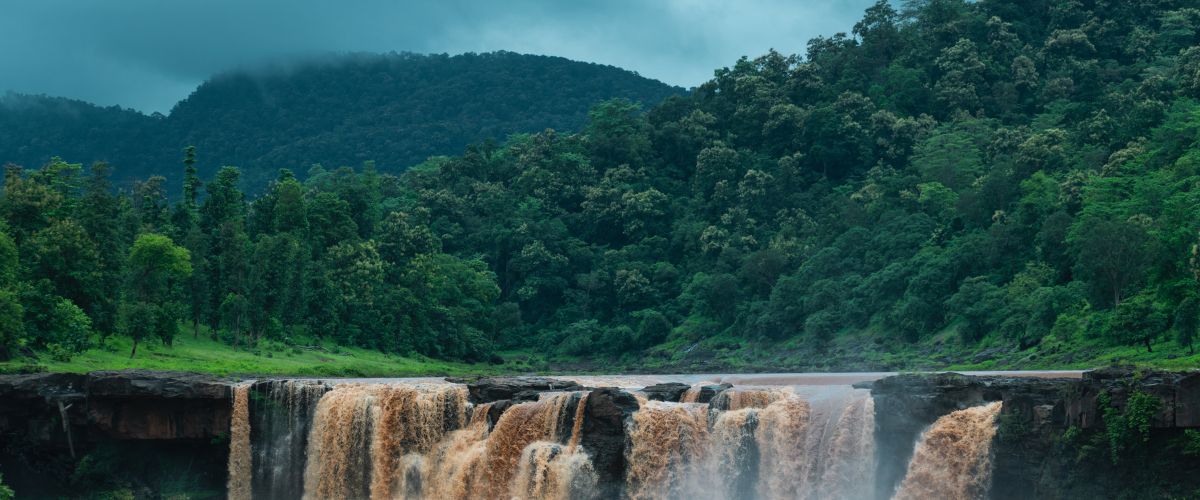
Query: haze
148	54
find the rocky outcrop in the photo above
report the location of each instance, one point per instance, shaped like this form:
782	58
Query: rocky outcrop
604	436
670	391
128	384
134	404
1179	393
708	392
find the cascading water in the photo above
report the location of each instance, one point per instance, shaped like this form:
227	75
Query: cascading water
767	444
667	440
953	457
281	413
239	445
386	440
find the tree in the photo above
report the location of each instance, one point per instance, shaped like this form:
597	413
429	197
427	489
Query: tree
6	493
1137	321
616	133
26	204
12	322
222	219
98	215
9	264
156	266
64	255
191	181
980	304
150	203
1110	255
1187	322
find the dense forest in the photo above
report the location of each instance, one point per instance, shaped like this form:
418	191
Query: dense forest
395	109
1015	177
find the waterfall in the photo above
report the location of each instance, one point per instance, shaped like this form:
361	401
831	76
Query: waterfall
454	469
553	472
239	445
410	421
391	440
765	444
384	441
667	439
953	457
366	439
280	414
519	427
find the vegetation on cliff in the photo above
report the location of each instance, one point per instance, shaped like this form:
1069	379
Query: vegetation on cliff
988	184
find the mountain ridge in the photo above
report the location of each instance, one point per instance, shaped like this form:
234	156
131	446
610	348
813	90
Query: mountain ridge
340	109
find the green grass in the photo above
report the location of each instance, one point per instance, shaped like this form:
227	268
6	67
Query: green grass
861	350
268	358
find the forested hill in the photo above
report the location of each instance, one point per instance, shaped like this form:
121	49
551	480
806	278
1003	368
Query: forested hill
394	109
961	183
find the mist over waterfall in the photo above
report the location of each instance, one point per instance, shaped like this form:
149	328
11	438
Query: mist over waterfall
401	439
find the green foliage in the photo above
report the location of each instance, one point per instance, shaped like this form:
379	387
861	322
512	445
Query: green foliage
1138	320
1187	321
8	261
6	493
12	322
1128	430
1014	176
1191	442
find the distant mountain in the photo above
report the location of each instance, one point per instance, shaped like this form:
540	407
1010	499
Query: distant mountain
395	109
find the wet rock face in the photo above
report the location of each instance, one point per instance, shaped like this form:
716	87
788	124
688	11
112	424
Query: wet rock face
604	436
492	389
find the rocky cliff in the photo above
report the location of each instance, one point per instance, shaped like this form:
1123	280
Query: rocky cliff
1052	440
62	432
148	431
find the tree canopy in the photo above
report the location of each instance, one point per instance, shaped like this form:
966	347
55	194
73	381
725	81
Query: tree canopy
985	173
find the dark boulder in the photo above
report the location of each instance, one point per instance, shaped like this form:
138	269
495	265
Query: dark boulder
603	436
708	392
670	391
491	389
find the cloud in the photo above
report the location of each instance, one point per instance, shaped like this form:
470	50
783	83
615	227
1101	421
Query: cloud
148	54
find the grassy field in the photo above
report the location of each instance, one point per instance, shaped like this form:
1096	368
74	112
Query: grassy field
268	358
851	351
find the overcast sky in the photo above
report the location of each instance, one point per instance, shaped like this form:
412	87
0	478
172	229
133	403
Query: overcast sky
148	54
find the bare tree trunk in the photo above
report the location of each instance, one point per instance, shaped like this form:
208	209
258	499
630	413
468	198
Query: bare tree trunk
134	351
1146	340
